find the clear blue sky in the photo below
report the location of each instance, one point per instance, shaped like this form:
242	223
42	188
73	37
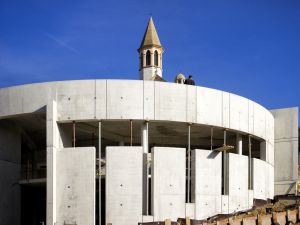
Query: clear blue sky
251	48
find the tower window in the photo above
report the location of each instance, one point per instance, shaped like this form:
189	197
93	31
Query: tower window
148	58
156	58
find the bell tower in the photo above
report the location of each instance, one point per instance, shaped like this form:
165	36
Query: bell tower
150	54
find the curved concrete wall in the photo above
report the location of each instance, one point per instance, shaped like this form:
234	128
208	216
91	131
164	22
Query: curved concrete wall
141	100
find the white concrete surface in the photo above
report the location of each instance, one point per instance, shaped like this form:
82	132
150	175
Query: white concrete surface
124	99
124	167
132	99
190	210
168	183
206	183
286	150
225	204
238	182
170	102
87	100
53	141
75	186
260	179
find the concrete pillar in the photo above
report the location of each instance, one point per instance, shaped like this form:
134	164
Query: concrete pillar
144	137
53	143
152	58
250	163
99	168
145	145
239	144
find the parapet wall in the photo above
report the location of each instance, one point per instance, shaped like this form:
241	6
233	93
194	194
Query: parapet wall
140	100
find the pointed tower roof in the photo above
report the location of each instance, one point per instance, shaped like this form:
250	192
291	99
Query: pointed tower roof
150	37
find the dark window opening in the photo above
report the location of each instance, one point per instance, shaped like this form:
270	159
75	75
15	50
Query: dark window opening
148	58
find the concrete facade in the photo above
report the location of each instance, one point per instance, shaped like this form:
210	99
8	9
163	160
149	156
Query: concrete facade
286	150
169	109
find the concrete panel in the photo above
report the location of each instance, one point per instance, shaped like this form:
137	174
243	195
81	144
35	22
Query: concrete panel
239	113
170	101
124	99
225	204
209	106
10	160
190	210
191	96
76	186
260	179
251	116
149	100
168	183
100	107
124	167
25	98
286	149
284	161
206	183
76	100
259	120
286	122
269	127
238	182
53	143
271	182
226	109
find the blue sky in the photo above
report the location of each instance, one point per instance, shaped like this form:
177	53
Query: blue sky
251	48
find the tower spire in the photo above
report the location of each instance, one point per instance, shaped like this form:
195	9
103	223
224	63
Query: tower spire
150	52
150	38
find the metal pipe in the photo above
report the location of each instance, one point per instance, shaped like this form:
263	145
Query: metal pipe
130	132
250	162
225	165
147	170
211	138
99	169
74	134
189	163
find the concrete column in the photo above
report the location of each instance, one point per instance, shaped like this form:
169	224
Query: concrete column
52	146
250	162
144	137
145	145
152	58
239	144
99	168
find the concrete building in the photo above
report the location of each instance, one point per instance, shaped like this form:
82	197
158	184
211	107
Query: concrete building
127	151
